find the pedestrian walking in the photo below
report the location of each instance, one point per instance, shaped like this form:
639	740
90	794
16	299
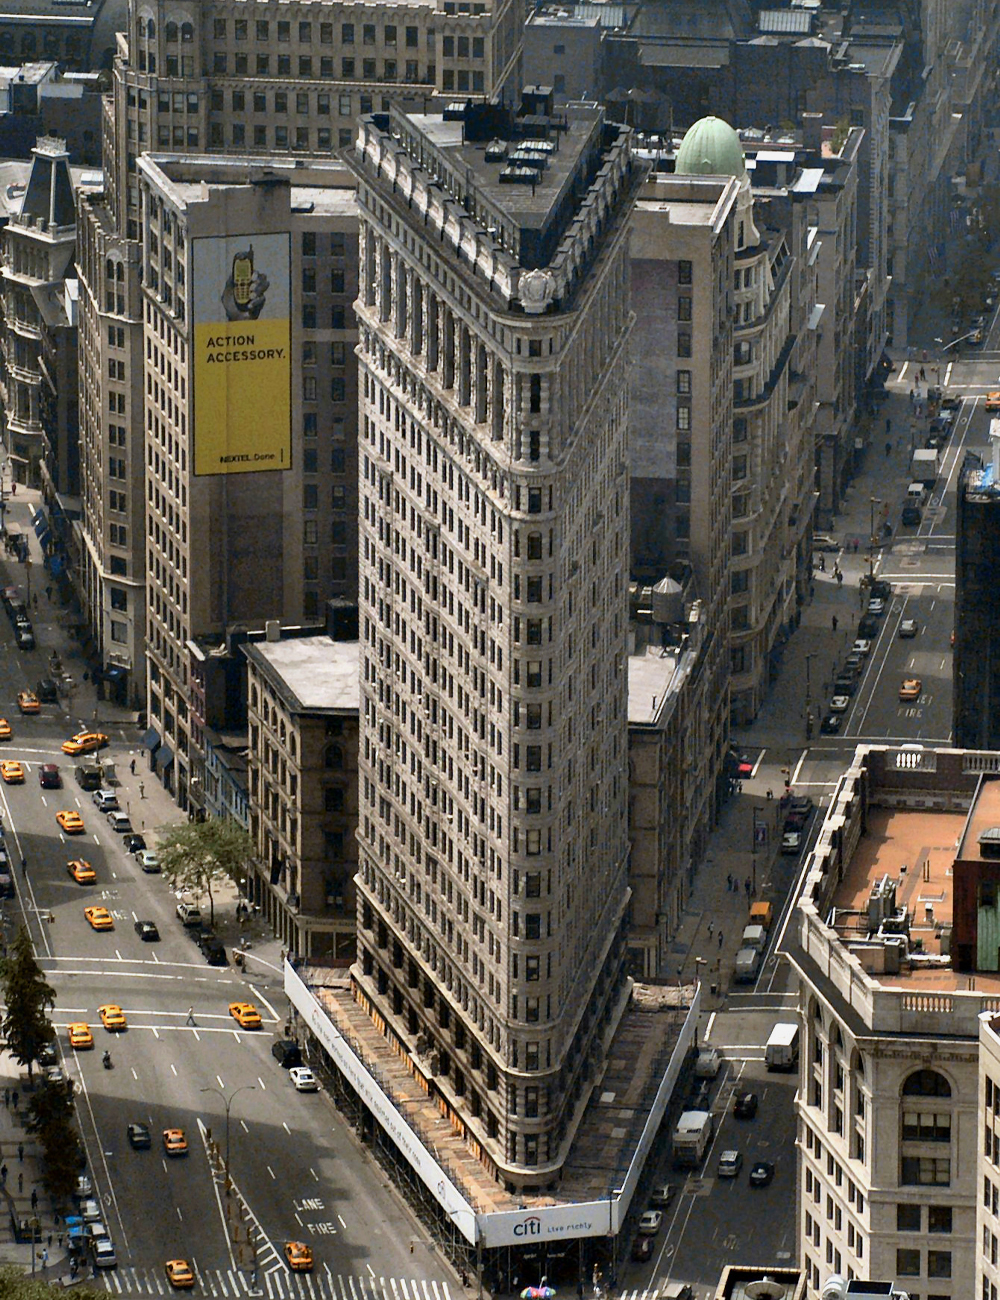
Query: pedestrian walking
45	1257
20	1152
747	885
888	426
14	1098
840	578
132	767
888	447
729	882
34	1198
20	1182
3	1174
720	938
142	791
711	929
48	593
6	1096
73	1266
833	622
922	375
190	1016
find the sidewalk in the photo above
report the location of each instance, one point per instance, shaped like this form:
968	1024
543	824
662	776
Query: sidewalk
150	807
713	921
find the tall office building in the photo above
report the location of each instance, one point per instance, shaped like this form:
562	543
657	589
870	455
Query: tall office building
261	80
494	316
976	665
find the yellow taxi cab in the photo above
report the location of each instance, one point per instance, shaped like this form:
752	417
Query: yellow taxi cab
112	1016
12	772
174	1142
99	917
71	822
299	1256
993	401
84	742
179	1274
5	731
245	1014
80	1036
28	702
82	872
911	688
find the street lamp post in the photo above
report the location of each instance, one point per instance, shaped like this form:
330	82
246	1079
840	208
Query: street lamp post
247	1087
875	501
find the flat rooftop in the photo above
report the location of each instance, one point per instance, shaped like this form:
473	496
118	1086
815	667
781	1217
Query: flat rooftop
312	673
917	851
611	1126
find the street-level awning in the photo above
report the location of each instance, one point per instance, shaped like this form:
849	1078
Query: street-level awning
114	673
163	757
151	739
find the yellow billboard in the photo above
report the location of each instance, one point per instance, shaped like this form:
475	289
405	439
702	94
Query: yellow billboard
242	354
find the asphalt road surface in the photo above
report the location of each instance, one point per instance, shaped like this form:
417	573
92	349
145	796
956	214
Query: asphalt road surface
292	1160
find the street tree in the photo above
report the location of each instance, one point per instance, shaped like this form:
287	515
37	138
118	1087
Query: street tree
15	1284
28	997
50	1119
198	856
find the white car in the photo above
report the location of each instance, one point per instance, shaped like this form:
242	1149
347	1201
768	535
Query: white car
840	704
148	860
791	842
649	1224
303	1078
729	1164
104	1253
861	647
876	606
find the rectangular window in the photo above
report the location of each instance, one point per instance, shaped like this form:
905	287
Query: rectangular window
683	418
683	308
683	343
925	1171
683	272
684	383
939	1218
907	1218
939	1263
907	1261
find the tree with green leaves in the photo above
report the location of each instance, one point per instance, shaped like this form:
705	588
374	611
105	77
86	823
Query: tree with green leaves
28	997
198	856
50	1118
18	1285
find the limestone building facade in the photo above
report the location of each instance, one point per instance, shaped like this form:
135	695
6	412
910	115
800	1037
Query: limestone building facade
494	317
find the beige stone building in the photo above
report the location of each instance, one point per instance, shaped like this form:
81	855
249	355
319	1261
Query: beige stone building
494	315
228	548
893	943
302	695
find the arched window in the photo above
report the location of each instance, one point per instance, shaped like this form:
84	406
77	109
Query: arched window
142	27
187	33
253	698
926	1083
171	33
151	29
119	271
109	268
334	757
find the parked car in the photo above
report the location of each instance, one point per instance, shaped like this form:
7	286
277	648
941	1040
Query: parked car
729	1164
745	1105
649	1223
830	726
911	516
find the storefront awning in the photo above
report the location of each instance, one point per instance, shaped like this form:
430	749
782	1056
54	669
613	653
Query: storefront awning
114	673
151	739
163	757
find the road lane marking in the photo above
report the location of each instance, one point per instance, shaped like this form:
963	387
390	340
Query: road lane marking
220	1083
260	996
261	1084
270	1171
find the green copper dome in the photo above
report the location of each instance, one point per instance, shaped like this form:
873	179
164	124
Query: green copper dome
710	148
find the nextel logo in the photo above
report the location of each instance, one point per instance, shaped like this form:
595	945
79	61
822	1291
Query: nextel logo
529	1228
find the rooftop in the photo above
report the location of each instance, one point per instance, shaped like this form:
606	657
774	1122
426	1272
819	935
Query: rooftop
313	674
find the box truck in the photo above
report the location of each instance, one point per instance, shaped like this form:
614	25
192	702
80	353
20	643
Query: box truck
782	1050
925	466
747	965
691	1138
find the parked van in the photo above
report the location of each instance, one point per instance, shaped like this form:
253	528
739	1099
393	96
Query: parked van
87	777
691	1138
747	965
916	494
782	1049
189	913
761	914
754	936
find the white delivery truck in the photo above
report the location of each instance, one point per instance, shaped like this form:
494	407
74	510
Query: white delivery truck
924	466
747	965
782	1050
691	1138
